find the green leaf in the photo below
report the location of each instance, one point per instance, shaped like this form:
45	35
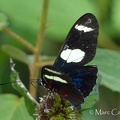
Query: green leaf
15	53
108	63
61	22
13	108
3	21
93	97
31	104
115	15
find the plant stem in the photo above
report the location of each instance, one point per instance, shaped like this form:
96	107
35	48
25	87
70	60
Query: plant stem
38	47
36	50
41	64
20	39
42	28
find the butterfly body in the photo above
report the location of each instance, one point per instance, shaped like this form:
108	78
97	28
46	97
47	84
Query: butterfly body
69	77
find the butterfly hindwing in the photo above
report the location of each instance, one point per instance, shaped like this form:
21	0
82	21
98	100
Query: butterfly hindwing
84	79
80	44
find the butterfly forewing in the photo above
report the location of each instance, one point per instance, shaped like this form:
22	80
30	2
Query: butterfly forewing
51	75
61	84
80	44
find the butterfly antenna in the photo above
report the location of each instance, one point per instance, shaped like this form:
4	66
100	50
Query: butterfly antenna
8	83
36	87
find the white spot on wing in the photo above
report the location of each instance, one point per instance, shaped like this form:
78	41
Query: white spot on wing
75	55
55	78
83	28
58	73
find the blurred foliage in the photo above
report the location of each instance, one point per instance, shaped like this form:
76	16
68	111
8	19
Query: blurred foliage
30	103
3	21
15	108
23	17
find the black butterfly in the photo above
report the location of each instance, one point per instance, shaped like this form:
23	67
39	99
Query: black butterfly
68	76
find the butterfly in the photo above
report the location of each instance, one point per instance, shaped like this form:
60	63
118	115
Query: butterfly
69	76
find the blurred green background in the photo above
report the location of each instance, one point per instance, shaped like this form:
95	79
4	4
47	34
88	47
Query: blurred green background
24	19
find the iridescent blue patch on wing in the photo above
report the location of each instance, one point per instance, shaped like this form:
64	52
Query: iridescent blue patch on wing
84	79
